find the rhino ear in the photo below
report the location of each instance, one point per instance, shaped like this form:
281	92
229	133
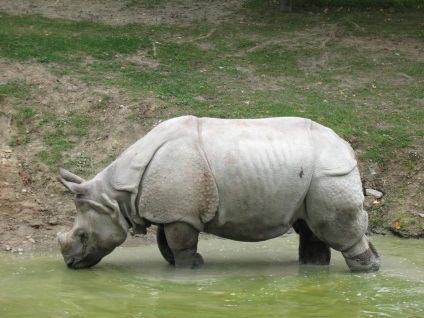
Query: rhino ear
69	176
72	181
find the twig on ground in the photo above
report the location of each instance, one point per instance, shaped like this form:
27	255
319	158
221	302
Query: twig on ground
262	45
155	53
203	36
357	26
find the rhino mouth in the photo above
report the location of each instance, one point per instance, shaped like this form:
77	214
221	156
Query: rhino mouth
86	262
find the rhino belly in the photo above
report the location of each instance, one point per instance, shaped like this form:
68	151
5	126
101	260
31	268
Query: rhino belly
249	212
247	230
262	171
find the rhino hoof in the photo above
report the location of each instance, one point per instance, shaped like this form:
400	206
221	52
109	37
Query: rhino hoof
198	262
368	261
191	262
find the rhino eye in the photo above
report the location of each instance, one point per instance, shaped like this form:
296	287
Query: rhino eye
81	236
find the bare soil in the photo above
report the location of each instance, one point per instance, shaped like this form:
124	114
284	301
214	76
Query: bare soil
33	206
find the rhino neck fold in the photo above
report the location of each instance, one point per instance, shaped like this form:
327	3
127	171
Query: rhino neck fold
122	201
129	212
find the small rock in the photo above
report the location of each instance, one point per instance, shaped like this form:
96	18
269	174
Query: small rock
53	221
8	248
421	214
376	194
29	204
36	223
31	240
380	231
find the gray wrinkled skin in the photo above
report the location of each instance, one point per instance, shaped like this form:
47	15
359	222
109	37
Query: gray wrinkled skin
246	180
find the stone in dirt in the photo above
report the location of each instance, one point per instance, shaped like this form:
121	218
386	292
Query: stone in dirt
53	221
36	223
374	193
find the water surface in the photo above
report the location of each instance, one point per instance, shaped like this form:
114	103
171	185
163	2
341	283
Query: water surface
238	279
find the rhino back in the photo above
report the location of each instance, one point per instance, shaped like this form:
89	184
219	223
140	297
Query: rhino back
262	169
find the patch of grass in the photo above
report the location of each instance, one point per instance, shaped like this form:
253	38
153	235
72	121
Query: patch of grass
30	37
49	158
82	163
376	155
103	101
24	119
59	135
64	137
14	89
264	59
375	222
58	140
28	112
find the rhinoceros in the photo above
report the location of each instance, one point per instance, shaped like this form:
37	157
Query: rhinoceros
240	179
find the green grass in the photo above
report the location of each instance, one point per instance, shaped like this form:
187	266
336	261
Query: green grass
273	65
43	40
14	89
59	134
68	131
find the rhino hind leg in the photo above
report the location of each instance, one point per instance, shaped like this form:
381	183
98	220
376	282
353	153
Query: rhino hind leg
362	257
311	249
182	240
164	248
335	214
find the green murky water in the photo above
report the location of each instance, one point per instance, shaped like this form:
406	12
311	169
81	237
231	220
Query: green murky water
238	280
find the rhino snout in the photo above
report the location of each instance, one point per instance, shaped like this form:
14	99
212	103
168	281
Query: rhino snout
66	249
78	255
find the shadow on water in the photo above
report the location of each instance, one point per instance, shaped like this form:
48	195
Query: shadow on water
239	279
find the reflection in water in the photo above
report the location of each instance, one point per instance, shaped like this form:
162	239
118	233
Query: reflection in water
239	279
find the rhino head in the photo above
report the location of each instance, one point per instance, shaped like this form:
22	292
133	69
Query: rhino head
99	226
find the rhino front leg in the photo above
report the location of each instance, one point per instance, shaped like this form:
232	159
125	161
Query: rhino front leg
182	240
311	249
